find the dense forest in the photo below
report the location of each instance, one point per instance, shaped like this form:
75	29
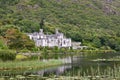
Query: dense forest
95	23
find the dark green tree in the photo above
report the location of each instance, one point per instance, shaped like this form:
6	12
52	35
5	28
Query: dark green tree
42	23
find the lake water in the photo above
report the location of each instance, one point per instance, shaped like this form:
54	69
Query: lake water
81	65
84	64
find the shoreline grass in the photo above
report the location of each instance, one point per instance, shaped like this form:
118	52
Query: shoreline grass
34	64
92	74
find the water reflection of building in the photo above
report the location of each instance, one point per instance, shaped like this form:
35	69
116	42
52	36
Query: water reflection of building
57	71
58	39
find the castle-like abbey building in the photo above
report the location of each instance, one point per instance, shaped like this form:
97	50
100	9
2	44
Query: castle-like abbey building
58	39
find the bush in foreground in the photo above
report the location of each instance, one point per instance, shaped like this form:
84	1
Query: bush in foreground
6	55
21	57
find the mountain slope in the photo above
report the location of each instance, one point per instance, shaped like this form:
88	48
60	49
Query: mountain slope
94	22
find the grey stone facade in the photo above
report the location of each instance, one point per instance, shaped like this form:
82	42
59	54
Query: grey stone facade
58	39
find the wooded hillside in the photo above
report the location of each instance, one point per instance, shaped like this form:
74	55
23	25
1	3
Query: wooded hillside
96	23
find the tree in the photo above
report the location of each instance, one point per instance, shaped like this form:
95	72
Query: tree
42	23
97	43
45	53
17	40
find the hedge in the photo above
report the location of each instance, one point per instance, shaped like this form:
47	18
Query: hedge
6	55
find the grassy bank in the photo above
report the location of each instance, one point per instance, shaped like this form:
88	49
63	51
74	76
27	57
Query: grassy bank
91	74
34	64
97	51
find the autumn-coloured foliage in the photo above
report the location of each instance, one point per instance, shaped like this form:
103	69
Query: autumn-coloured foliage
15	39
18	40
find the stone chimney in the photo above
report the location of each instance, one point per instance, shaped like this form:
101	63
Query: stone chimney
41	30
56	31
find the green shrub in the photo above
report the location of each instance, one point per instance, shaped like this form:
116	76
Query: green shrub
21	57
34	57
2	45
24	51
7	55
